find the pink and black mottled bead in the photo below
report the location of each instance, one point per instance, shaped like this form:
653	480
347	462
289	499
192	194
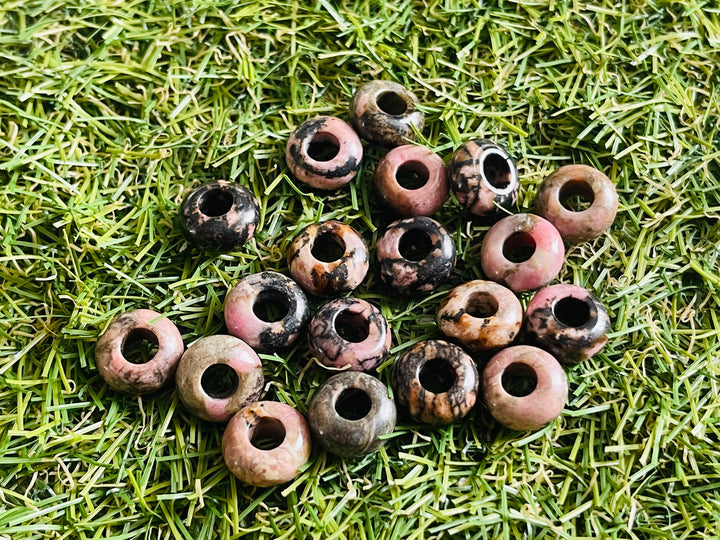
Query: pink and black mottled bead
324	153
483	177
217	376
522	251
567	321
328	258
249	311
386	113
266	443
589	185
123	374
411	180
415	255
351	413
219	216
436	382
349	333
524	387
481	316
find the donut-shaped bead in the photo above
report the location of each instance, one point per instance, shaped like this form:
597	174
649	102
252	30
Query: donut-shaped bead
217	376
249	311
266	443
385	112
350	413
219	215
324	153
349	333
483	177
524	387
138	378
567	321
328	258
522	251
480	315
411	180
415	255
588	184
436	382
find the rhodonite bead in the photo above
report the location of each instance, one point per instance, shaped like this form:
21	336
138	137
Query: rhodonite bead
386	112
568	322
415	255
483	177
350	413
217	376
266	443
481	316
411	180
124	374
436	381
524	387
349	333
328	258
219	215
589	185
249	311
324	153
522	251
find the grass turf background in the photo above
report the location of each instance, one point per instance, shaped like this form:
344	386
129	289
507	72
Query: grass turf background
111	111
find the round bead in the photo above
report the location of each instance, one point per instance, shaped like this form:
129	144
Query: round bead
266	443
524	387
590	185
328	258
523	251
219	215
411	180
217	376
248	311
385	112
568	322
415	255
483	177
350	413
324	153
480	315
138	378
349	333
436	381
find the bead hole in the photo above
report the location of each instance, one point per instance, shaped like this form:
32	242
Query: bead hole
352	327
271	306
496	170
328	247
353	404
576	195
392	103
323	147
519	247
437	376
572	311
140	346
216	202
412	175
415	245
519	379
481	305
267	433
219	381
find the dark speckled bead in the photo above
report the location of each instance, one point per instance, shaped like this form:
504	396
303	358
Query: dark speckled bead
350	413
219	215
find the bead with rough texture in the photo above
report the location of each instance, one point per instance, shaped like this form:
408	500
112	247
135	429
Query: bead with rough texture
350	413
220	215
483	177
249	316
217	376
480	315
588	184
524	387
415	255
328	258
386	112
411	180
349	333
522	251
437	382
266	443
324	153
568	322
138	378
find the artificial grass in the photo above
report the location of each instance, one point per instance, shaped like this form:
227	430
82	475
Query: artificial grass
110	112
